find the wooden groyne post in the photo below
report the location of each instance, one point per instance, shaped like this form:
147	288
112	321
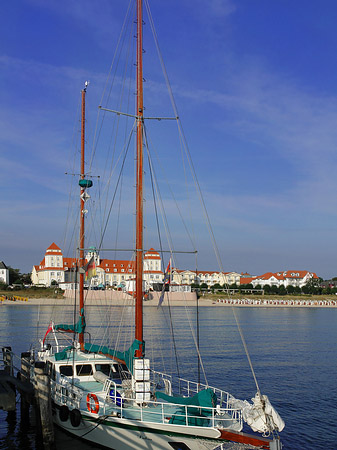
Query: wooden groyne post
25	377
44	405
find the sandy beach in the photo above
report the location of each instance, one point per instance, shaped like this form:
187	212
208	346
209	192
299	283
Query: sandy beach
100	300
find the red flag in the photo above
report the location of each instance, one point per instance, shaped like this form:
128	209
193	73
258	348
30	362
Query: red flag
50	328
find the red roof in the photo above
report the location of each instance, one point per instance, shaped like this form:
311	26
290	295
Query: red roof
54	247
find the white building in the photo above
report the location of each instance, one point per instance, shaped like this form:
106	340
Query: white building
54	267
209	277
4	273
286	278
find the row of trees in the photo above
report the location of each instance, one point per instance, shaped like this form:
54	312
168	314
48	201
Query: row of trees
16	277
310	288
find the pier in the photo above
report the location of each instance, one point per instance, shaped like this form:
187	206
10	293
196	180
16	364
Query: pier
15	377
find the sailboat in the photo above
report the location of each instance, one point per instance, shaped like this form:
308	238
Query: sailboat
115	398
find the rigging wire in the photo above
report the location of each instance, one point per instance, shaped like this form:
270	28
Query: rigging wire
246	350
188	154
161	250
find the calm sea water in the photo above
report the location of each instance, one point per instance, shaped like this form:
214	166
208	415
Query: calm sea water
293	351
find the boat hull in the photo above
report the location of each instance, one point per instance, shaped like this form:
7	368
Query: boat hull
122	434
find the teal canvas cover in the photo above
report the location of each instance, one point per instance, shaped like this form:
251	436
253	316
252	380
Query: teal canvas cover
127	356
60	356
79	327
195	416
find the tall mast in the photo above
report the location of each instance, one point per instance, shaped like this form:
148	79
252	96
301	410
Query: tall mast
82	213
139	181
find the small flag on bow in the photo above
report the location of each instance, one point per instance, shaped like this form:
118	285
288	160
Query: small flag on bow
50	328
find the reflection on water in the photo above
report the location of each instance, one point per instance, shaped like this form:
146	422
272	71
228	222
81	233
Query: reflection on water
293	353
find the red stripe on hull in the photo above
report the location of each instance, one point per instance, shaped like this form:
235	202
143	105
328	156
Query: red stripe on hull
244	438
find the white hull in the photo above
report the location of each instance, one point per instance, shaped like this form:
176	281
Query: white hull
121	434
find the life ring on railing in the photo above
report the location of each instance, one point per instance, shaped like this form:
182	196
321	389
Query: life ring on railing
92	399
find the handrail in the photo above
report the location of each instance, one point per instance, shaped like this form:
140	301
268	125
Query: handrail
215	417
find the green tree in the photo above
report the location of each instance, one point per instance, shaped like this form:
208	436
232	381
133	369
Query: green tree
306	289
25	278
282	290
217	286
14	275
267	289
290	289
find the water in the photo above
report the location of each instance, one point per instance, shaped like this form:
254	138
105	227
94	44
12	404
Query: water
293	352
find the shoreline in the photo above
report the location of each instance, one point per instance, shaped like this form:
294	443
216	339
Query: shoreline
239	303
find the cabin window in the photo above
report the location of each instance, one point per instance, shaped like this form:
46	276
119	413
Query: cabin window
105	368
50	370
66	370
84	370
123	372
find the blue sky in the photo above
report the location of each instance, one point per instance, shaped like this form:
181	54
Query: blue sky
255	85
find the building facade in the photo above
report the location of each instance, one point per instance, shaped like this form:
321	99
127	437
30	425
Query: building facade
208	277
4	273
55	268
286	278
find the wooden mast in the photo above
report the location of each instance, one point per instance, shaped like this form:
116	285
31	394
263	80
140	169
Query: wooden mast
82	213
139	182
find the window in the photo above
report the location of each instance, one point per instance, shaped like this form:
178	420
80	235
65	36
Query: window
84	370
115	270
122	270
105	368
66	370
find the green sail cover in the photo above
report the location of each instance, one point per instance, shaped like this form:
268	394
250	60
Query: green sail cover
196	417
127	356
79	327
60	356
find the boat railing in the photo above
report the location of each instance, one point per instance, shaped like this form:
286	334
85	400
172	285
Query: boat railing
177	414
66	393
189	388
161	380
